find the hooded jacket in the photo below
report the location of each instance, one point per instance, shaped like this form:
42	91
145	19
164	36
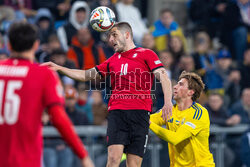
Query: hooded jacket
44	34
66	32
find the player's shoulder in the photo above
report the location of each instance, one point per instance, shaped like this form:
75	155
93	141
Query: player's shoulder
198	112
143	50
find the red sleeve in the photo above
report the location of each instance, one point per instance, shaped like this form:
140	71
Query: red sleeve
152	60
63	124
53	91
103	68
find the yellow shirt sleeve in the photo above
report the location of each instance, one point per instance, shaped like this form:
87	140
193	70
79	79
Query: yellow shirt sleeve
157	118
170	136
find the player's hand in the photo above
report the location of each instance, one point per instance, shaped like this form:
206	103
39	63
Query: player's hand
167	111
52	66
87	162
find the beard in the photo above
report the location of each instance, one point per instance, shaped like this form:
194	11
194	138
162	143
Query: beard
121	46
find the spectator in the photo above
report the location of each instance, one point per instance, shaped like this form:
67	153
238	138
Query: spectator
164	28
176	47
216	75
232	86
241	108
45	24
203	56
100	109
245	149
43	54
78	18
84	103
167	60
71	98
234	30
218	115
245	70
7	16
148	41
217	112
3	54
58	56
186	64
127	12
59	8
83	52
240	114
23	8
206	15
55	153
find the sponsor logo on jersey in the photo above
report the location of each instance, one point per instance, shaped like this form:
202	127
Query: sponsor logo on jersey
134	56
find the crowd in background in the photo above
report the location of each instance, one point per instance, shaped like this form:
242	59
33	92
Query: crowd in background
219	52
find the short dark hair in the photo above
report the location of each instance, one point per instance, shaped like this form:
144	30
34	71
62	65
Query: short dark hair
58	51
22	36
165	10
195	83
124	26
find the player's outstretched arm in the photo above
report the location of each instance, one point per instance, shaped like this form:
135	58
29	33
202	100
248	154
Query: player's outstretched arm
63	124
170	136
162	76
80	75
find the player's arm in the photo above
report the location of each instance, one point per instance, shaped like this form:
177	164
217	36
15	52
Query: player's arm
162	76
61	121
170	136
80	75
157	118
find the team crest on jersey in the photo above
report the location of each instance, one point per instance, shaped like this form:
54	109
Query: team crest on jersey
119	56
177	122
134	56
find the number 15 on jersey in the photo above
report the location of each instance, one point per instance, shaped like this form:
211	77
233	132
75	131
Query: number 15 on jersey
11	104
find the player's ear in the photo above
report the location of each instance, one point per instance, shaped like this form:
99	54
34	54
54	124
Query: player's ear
36	45
9	46
127	34
190	92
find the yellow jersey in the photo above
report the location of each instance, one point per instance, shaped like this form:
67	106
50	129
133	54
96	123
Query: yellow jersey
193	151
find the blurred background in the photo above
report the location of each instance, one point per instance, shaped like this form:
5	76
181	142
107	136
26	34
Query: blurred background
209	37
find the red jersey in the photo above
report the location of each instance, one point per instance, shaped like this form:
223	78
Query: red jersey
131	78
25	90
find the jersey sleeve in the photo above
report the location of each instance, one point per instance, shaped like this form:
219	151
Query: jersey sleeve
103	68
157	118
152	60
197	120
53	91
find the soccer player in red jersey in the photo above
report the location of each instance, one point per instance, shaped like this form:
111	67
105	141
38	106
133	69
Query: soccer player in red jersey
26	89
131	71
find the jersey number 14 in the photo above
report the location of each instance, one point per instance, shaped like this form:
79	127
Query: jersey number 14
11	104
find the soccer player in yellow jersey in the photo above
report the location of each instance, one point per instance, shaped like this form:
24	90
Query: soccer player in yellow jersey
187	131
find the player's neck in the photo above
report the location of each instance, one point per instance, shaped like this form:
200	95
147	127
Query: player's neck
184	104
28	55
129	46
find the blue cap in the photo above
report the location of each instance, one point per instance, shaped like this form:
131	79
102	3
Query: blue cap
223	53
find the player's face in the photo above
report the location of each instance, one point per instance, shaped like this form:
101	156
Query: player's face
117	40
181	90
